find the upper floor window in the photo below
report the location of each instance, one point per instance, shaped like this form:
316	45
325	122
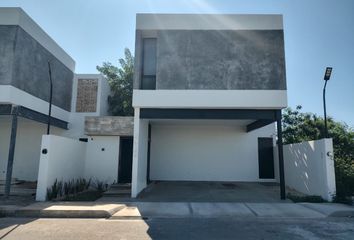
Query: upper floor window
148	78
86	100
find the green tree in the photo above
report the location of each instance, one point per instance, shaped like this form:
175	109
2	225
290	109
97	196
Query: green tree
299	126
120	80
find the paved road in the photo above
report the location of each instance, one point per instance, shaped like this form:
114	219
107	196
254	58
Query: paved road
177	228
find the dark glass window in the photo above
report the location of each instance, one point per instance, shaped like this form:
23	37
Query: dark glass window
148	79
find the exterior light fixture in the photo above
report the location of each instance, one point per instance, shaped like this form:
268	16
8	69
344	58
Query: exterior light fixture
328	73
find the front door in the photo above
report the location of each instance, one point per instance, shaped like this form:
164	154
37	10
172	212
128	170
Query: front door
265	158
125	160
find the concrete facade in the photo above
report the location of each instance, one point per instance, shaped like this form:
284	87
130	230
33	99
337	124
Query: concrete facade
220	59
25	66
215	57
109	126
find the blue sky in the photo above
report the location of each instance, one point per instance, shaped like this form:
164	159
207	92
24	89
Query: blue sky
318	33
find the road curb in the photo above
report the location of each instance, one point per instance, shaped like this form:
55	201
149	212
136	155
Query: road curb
49	210
331	209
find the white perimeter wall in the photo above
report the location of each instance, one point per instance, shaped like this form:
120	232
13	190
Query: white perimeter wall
69	159
205	153
102	155
308	169
64	161
27	149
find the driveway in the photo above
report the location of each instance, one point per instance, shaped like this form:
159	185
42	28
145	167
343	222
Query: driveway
185	191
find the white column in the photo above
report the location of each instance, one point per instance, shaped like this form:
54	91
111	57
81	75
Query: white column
140	146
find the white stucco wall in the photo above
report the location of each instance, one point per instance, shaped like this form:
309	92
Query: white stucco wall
27	150
205	153
140	146
105	91
69	159
64	161
210	99
309	169
153	21
102	157
12	95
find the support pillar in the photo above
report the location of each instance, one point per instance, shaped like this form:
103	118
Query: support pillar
10	161
281	156
148	156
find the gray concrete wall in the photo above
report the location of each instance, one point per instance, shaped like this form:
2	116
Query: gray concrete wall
109	126
7	45
29	70
218	59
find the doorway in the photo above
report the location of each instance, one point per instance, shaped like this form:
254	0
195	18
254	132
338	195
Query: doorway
125	160
265	158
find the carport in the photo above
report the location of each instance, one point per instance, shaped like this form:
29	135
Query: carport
252	120
12	113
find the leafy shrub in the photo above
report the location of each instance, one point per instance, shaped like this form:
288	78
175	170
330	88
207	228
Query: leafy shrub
299	126
310	199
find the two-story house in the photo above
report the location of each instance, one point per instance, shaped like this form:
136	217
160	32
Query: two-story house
207	92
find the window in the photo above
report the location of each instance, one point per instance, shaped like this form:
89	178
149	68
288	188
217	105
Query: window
86	99
148	78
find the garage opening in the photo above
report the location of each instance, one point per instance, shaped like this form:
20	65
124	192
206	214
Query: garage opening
216	150
207	145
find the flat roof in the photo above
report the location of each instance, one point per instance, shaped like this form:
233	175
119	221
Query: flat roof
16	16
147	21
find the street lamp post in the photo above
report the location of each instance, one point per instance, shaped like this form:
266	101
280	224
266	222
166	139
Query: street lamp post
327	76
50	98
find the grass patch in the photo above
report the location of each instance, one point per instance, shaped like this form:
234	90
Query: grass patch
309	199
84	196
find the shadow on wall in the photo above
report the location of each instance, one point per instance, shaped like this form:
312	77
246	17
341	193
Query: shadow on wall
308	169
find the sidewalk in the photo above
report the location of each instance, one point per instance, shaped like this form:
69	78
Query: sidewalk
141	210
214	210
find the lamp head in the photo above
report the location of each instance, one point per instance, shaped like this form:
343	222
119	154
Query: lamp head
328	73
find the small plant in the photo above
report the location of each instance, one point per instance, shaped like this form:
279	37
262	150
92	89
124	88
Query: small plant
53	192
60	189
100	186
310	199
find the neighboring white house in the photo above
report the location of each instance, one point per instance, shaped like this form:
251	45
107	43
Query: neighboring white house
25	51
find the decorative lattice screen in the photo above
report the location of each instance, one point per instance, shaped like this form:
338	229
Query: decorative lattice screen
86	95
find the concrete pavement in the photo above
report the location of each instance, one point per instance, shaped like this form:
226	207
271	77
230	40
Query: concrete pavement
140	210
178	228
